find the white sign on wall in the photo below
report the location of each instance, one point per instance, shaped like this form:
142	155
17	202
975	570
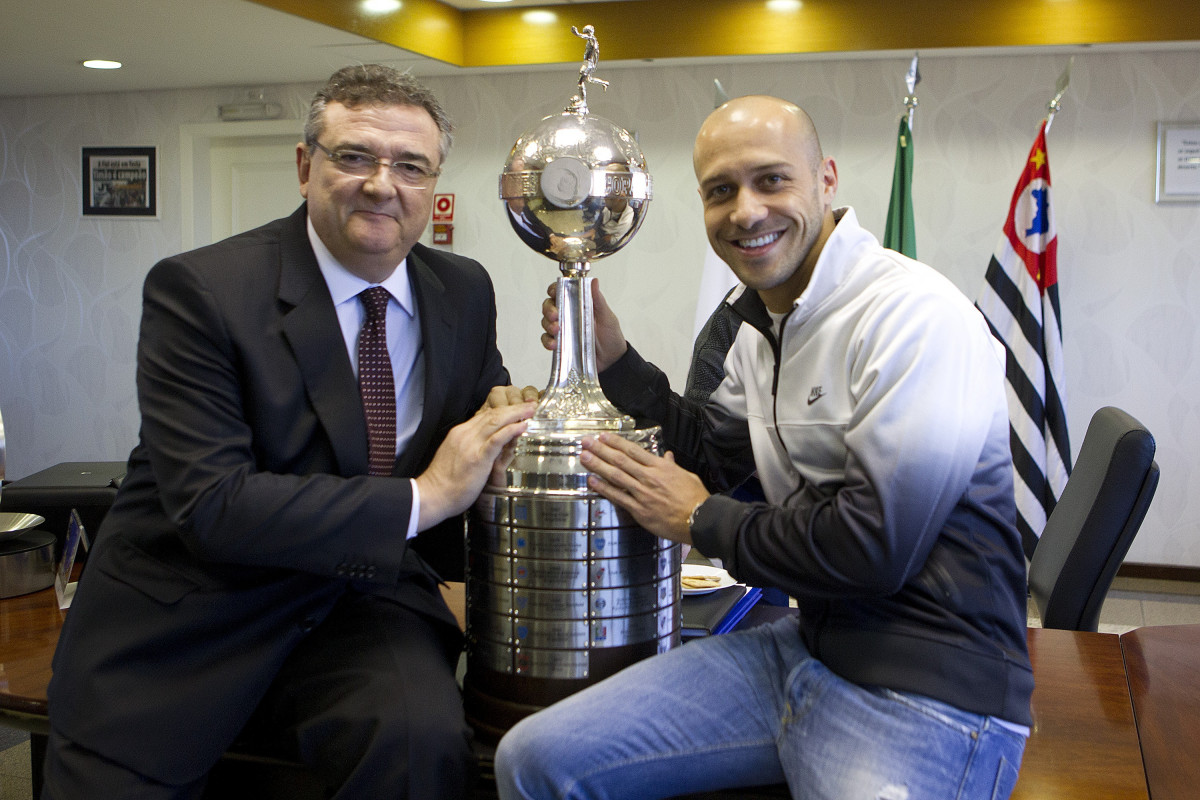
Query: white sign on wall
1178	162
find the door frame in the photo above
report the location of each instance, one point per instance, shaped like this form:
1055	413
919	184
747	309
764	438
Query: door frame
195	148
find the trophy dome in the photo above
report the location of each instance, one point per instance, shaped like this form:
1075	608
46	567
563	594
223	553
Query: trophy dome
575	187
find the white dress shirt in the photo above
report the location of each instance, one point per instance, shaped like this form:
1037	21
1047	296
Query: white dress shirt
403	339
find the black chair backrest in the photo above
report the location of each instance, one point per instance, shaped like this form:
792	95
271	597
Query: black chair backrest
1090	529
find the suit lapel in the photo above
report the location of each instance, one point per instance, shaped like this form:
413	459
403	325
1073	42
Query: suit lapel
437	340
311	328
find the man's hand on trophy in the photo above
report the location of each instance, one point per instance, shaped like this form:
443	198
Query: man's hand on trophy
610	341
659	493
501	396
466	459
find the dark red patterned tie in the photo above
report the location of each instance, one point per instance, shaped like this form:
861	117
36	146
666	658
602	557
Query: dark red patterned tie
375	382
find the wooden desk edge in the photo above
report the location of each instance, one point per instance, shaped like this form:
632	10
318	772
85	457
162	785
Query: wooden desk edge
1159	666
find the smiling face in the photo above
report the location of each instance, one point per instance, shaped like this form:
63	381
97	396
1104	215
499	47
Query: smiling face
369	224
767	193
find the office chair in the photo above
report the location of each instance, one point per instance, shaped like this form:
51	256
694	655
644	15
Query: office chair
1090	530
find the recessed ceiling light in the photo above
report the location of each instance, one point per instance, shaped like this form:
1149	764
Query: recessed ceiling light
495	1
380	6
100	63
540	17
784	5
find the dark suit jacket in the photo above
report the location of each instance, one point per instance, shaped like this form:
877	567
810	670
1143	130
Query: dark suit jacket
247	511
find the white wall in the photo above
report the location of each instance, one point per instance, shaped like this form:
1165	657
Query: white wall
69	287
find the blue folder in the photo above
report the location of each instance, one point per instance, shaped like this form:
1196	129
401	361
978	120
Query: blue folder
717	612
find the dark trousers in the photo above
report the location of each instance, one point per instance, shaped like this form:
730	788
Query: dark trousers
368	701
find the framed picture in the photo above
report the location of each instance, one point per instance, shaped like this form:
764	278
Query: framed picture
120	182
1178	163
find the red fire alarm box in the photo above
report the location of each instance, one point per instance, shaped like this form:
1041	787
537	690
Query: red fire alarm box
443	233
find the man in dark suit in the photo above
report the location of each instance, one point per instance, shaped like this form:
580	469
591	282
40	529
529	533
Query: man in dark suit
254	568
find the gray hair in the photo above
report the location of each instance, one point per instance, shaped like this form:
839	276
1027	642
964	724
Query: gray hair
376	85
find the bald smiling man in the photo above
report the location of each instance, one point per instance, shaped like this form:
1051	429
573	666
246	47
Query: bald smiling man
868	395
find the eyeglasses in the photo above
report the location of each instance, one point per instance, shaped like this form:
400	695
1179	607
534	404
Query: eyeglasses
364	165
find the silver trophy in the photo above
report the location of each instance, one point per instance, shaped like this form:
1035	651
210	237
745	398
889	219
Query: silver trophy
563	587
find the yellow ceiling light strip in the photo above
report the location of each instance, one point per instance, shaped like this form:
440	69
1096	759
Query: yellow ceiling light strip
712	28
426	27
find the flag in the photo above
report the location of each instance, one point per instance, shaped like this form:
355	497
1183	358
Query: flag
900	234
1020	301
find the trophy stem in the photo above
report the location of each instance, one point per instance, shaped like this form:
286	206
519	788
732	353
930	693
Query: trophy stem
573	400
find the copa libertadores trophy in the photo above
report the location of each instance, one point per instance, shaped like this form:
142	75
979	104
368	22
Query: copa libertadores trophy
563	587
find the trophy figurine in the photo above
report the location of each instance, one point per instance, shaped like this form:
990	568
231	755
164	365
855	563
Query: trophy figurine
563	587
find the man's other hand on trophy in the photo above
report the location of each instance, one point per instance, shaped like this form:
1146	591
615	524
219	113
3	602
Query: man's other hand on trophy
610	342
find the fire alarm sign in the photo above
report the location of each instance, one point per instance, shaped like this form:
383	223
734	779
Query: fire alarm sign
443	208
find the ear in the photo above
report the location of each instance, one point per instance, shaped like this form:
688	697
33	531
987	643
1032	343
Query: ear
303	166
828	180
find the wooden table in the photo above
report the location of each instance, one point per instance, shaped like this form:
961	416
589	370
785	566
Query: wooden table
1084	742
29	627
1164	680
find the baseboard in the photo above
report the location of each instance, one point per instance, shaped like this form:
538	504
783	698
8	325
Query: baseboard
1159	572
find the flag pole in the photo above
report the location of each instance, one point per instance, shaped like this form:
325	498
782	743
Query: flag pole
1060	89
899	230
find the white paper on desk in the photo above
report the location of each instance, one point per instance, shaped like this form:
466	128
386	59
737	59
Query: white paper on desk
76	535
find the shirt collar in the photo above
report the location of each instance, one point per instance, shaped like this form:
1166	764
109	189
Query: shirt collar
344	284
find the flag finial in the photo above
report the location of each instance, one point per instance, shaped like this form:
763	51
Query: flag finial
1060	89
720	96
911	79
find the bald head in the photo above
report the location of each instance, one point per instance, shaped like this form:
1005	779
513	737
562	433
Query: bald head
731	121
767	192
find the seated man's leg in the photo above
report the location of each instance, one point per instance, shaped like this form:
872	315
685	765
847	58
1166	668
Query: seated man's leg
70	772
370	703
702	716
844	740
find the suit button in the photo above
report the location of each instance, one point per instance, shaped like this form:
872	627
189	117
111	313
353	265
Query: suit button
370	572
308	624
340	570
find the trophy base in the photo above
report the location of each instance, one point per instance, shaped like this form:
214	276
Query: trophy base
563	587
494	702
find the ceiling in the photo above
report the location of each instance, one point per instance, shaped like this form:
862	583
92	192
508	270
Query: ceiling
167	44
171	44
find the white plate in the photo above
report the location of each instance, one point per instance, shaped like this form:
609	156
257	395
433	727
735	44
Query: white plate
711	572
13	523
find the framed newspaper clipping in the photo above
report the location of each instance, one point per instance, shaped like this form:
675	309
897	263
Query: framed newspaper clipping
120	182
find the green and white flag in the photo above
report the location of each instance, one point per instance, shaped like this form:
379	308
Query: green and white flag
900	233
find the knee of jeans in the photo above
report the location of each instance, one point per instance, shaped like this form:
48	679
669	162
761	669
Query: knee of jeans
511	752
524	758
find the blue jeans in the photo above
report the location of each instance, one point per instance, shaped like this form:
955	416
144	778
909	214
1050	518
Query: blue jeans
752	708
